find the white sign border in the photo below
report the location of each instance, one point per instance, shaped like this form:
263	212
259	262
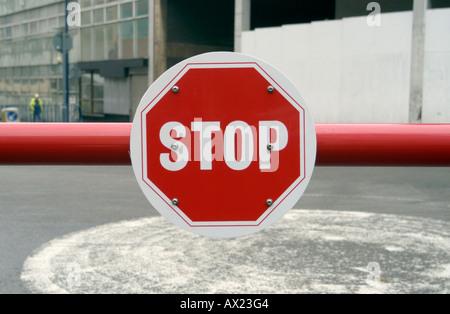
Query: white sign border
163	204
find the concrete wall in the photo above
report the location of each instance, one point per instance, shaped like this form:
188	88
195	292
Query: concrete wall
350	72
436	88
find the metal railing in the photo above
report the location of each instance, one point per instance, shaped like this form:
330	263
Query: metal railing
50	113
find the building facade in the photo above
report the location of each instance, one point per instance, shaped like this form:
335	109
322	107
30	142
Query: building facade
121	46
117	49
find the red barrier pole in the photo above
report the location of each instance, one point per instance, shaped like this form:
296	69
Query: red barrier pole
65	143
337	144
383	145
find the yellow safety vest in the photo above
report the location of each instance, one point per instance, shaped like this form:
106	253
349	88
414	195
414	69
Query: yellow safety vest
33	103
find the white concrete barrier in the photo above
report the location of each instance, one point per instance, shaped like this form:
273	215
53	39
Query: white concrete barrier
350	72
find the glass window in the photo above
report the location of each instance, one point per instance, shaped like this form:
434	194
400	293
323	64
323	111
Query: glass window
141	7
42	86
7	32
33	27
16	86
25	15
97	2
97	93
126	39
142	38
51	10
16	31
85	44
43	70
17	71
43	26
34	71
142	28
53	23
99	43
126	10
53	84
111	13
39	13
16	18
55	70
85	3
25	86
85	18
62	21
98	16
73	85
112	40
26	71
25	28
7	19
86	92
34	85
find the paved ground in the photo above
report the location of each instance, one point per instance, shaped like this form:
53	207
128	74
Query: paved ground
356	230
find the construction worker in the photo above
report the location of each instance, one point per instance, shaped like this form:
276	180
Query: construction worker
36	108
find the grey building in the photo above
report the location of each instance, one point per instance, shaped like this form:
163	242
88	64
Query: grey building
120	47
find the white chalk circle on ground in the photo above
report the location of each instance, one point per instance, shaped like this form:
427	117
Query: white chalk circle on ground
311	251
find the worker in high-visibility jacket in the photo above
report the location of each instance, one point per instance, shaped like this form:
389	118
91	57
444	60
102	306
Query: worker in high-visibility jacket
36	108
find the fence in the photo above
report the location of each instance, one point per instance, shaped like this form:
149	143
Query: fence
50	113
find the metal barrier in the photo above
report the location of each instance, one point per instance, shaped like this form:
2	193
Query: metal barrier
337	144
50	113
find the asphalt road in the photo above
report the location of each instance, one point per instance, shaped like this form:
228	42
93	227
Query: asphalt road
355	230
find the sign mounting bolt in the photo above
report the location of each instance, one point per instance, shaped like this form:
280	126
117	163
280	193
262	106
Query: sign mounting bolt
175	201
175	89
270	89
174	146
269	202
269	146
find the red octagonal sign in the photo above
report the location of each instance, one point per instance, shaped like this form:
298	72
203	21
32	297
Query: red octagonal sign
222	144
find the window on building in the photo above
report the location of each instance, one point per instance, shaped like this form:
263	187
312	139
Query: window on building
126	39
111	13
126	10
112	40
86	18
142	37
85	36
98	16
91	93
141	7
99	43
85	3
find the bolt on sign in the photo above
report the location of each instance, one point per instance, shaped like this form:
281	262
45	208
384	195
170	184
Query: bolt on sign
222	144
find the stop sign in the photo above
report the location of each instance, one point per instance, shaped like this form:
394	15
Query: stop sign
222	144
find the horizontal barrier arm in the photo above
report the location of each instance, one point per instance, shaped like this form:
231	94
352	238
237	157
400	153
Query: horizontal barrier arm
65	143
337	144
400	145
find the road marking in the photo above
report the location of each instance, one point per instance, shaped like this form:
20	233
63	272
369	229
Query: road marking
308	251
